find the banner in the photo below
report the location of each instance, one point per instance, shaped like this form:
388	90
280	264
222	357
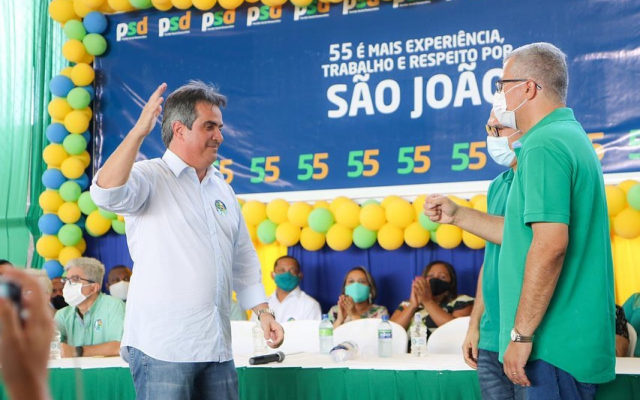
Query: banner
368	93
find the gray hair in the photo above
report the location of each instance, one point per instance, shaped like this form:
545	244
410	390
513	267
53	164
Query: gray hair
181	105
93	268
42	277
546	65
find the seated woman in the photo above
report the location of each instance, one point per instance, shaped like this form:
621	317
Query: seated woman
434	295
356	300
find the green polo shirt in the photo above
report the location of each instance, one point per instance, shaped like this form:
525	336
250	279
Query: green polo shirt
104	322
490	322
559	180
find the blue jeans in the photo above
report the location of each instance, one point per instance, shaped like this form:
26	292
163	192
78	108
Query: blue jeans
154	379
494	384
551	383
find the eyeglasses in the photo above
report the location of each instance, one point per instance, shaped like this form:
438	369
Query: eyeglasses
500	83
74	280
492	130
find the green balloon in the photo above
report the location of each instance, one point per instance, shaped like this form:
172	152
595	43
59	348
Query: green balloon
78	98
267	231
95	44
70	191
86	204
370	201
633	197
141	4
107	214
320	220
364	238
74	144
118	226
433	237
427	224
70	234
74	29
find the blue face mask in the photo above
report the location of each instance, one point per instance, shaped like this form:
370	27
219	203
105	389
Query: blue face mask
357	291
287	281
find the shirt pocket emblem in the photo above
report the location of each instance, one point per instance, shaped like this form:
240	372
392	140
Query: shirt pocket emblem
220	207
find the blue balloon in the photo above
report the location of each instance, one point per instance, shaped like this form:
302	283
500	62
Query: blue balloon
91	90
95	22
50	224
83	181
60	85
56	133
87	136
82	222
54	268
53	179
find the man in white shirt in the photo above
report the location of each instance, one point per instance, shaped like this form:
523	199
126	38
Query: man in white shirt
181	213
289	302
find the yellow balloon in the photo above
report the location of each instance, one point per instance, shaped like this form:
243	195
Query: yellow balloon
449	236
82	245
339	237
230	4
49	246
476	198
273	3
461	202
254	212
277	210
348	214
87	59
322	204
390	237
121	5
472	241
69	212
253	233
204	5
627	223
626	185
50	201
73	50
54	154
299	213
373	217
95	4
120	218
66	72
388	200
62	10
480	203
105	8
418	205
616	199
288	234
81	9
72	168
252	1
311	240
162	5
96	224
76	122
59	108
82	74
416	236
85	158
400	213
300	3
182	4
69	253
88	112
337	202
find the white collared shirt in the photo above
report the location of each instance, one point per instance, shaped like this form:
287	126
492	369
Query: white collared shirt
297	306
190	248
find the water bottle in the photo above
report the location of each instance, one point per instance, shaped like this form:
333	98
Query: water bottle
55	353
385	338
259	344
344	351
418	337
326	335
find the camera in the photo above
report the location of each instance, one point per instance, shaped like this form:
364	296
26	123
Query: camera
13	292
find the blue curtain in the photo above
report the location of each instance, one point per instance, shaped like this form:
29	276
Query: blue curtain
393	271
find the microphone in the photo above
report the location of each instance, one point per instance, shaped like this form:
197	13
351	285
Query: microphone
267	358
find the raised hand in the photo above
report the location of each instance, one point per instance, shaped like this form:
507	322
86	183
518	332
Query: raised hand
150	112
440	209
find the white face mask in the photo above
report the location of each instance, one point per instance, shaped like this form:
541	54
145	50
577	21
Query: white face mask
72	294
119	290
505	117
499	150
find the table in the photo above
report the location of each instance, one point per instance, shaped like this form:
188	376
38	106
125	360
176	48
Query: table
315	376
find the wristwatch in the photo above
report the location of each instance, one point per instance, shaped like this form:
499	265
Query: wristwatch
265	310
517	337
79	351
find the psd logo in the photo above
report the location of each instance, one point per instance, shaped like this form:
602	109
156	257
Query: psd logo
314	10
409	3
359	6
132	30
219	20
177	25
264	15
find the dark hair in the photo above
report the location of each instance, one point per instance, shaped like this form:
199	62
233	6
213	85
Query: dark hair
285	257
116	267
373	291
453	290
5	262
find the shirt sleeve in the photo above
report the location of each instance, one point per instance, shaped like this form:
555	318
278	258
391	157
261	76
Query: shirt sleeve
59	321
314	312
333	314
116	325
126	199
546	178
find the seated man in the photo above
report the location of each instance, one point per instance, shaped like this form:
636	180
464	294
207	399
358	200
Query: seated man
237	313
56	298
118	281
92	323
289	302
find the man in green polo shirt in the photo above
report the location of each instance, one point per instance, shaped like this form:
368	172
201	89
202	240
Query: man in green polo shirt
555	271
92	323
